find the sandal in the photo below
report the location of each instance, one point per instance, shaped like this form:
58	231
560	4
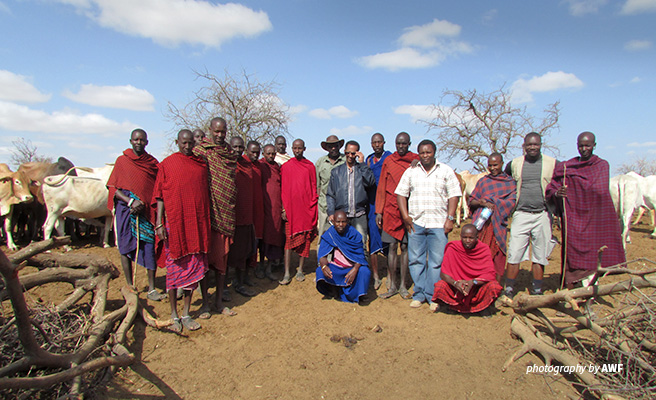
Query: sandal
405	295
285	281
176	326
300	277
244	291
204	313
390	293
225	296
228	312
154	295
189	323
377	283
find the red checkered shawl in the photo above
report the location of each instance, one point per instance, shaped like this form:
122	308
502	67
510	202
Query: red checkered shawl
299	194
136	174
223	191
244	182
274	233
500	190
390	175
182	185
591	219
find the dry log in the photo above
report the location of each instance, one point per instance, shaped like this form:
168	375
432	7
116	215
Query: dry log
523	303
38	247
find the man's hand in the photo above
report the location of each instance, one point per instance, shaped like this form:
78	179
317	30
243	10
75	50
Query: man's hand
331	219
410	226
360	156
284	215
414	163
489	205
562	192
350	276
161	232
137	207
379	221
448	226
327	272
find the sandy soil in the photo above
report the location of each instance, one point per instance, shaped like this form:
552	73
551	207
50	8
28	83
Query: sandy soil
279	346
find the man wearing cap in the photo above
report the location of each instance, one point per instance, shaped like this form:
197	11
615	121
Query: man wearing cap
324	166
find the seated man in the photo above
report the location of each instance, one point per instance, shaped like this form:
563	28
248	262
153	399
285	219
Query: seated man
347	275
468	283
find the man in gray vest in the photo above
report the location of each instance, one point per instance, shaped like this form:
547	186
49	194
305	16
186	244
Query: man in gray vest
531	220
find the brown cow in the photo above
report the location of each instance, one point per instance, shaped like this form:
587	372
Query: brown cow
14	189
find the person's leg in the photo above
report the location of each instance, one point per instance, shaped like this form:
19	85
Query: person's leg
392	289
173	302
436	242
242	271
204	292
517	249
127	269
186	319
259	269
417	263
541	240
287	277
299	273
403	286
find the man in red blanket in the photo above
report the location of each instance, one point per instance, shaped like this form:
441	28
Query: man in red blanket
183	224
498	192
388	216
221	165
242	248
468	283
299	201
274	232
590	221
252	154
130	191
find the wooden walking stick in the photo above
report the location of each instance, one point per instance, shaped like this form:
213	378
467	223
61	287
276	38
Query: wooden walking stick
563	265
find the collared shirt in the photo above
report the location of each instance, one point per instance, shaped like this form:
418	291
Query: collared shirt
324	167
428	193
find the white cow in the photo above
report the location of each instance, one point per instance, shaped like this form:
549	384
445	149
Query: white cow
83	197
648	190
627	197
470	183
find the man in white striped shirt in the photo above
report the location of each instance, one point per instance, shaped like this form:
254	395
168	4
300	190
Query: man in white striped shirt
427	195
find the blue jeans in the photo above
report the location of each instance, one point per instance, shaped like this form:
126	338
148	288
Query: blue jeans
425	253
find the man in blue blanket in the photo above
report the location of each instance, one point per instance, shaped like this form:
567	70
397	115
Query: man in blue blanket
346	277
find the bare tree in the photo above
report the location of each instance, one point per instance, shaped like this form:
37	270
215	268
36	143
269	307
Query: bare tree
253	109
640	165
473	125
24	151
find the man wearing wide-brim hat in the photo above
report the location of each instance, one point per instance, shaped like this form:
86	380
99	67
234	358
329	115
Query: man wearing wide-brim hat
324	166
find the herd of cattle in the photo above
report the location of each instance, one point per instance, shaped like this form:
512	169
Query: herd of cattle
42	194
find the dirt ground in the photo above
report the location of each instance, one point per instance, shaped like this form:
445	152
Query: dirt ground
279	346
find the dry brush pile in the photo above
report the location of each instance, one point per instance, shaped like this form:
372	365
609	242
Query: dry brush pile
603	337
63	350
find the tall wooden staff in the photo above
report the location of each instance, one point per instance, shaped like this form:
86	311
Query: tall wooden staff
563	265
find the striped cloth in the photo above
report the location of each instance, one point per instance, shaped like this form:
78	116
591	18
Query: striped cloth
500	190
591	219
223	192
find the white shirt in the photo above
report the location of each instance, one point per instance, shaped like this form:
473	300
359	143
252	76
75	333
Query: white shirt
428	193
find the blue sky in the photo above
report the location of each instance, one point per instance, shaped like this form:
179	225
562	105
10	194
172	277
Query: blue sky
76	76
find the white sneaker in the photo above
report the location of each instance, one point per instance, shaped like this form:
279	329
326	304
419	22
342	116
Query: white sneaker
434	307
415	304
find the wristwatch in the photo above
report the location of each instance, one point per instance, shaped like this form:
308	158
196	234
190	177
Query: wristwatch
450	217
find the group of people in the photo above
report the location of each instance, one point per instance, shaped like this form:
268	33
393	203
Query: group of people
215	204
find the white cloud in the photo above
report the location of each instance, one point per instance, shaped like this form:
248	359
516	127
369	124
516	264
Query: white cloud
429	35
14	87
490	15
632	7
415	111
635	79
4	8
126	97
19	118
637	45
332	112
400	59
643	144
297	109
422	46
351	130
582	7
172	22
523	89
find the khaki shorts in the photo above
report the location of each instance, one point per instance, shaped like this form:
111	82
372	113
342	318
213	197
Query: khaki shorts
529	228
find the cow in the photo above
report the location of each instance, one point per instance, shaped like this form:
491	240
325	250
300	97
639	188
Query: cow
83	197
33	215
14	190
470	183
648	189
462	204
627	197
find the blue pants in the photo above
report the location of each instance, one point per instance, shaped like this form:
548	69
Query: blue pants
425	253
